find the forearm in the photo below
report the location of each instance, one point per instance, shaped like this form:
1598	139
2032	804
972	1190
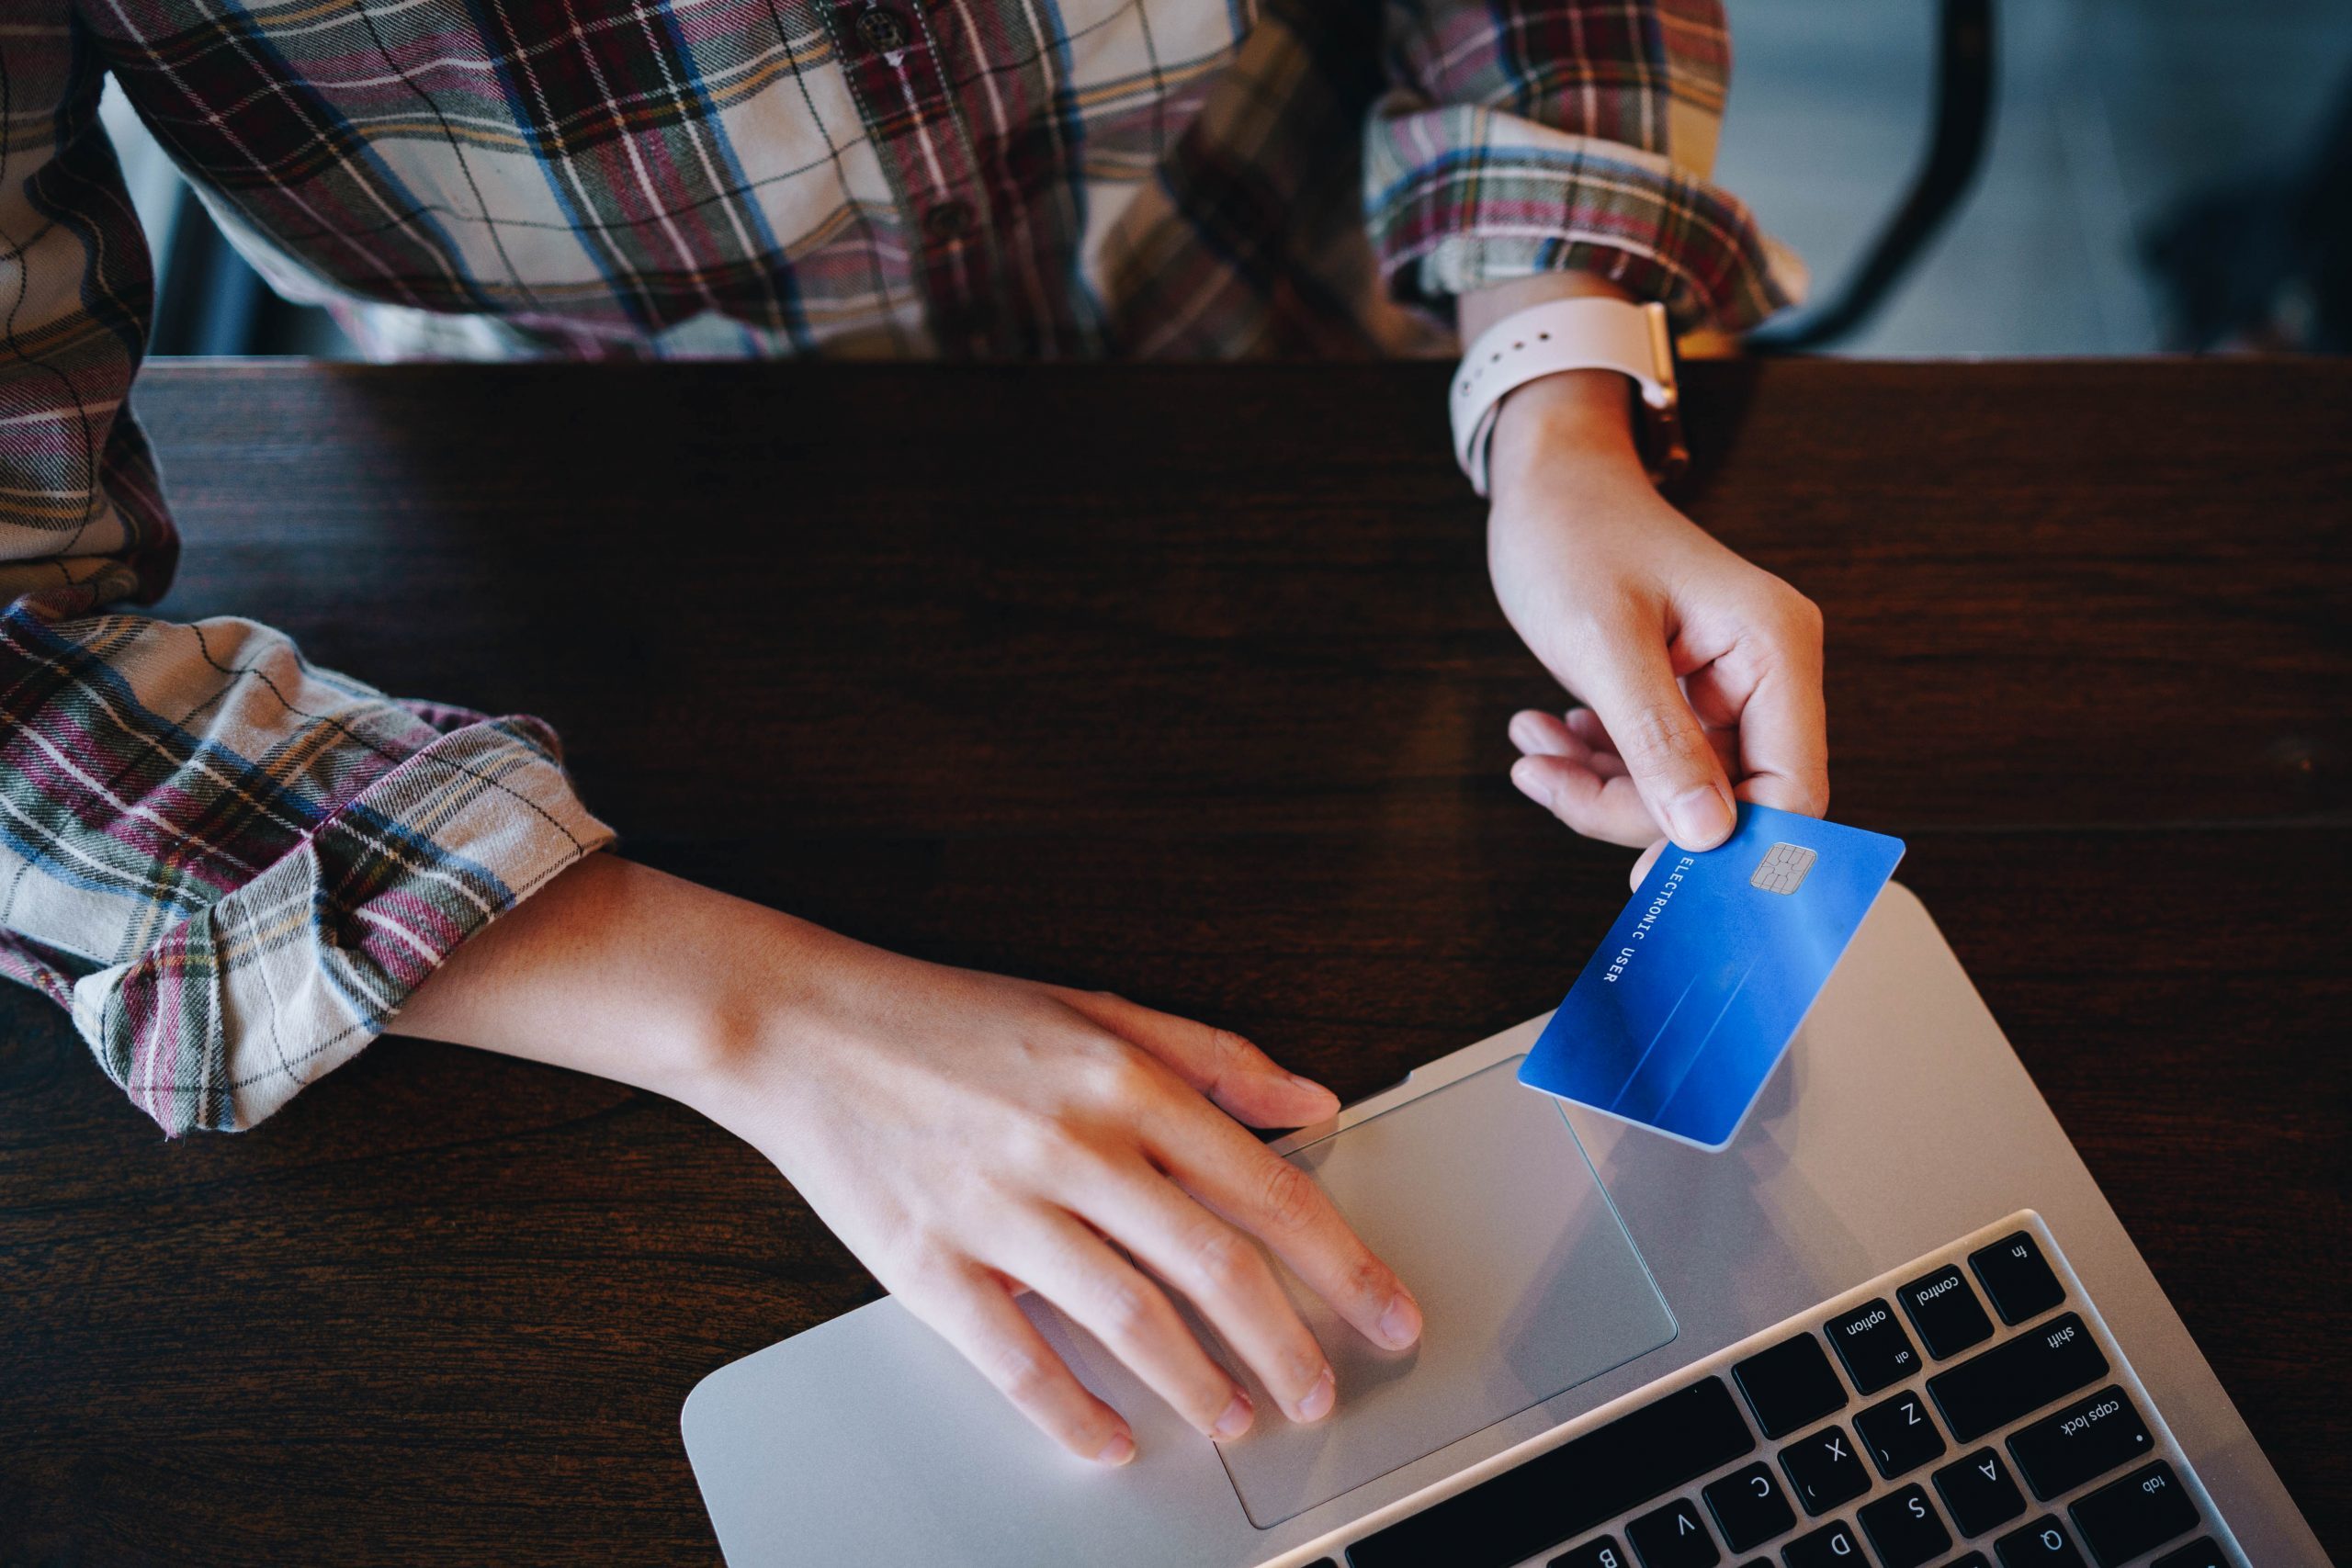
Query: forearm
627	973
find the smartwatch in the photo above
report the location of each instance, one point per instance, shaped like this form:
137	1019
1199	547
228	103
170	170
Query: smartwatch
1570	335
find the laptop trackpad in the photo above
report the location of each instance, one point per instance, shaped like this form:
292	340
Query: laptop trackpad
1480	1197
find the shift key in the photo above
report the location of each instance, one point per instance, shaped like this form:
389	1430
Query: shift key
1989	1390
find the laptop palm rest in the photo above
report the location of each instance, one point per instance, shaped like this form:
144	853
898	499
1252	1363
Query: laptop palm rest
1480	1197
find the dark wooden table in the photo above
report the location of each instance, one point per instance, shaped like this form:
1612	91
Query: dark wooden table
1186	682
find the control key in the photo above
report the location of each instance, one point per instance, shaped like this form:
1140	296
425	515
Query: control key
1945	1312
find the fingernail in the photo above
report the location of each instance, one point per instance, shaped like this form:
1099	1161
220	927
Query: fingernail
1522	775
1401	1323
1235	1419
1118	1450
1310	1086
1701	818
1316	1404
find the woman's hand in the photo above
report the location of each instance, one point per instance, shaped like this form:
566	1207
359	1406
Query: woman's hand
1699	673
969	1136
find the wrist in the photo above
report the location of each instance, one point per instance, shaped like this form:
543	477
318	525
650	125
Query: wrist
765	1003
624	972
1585	415
1583	418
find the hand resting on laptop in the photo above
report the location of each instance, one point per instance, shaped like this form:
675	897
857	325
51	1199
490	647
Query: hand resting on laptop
966	1134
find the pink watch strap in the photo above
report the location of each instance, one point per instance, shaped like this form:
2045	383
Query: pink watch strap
1560	335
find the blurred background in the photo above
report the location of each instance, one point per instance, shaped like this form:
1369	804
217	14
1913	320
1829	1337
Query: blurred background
1964	176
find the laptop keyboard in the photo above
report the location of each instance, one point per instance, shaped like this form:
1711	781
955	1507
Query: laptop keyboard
1968	1410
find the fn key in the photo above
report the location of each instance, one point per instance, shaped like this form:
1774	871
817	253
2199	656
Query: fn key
2018	1277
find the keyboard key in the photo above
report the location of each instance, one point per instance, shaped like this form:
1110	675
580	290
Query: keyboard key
2041	1544
2086	1439
1568	1491
1899	1435
1790	1385
1831	1546
1673	1537
1904	1530
1601	1553
2201	1554
1824	1470
1979	1492
1871	1341
2018	1277
2135	1515
1945	1312
1750	1507
1973	1560
2017	1378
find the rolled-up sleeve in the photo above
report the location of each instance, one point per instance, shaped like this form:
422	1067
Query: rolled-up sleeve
231	866
1519	137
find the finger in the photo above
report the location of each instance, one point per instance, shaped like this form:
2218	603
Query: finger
988	1329
1243	1080
1717	692
1539	734
1077	1270
1222	1272
1585	725
1665	748
1281	1204
1642	866
1607	808
1580	738
1784	742
1771	689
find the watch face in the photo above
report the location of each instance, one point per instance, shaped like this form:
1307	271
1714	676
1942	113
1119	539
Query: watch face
1661	347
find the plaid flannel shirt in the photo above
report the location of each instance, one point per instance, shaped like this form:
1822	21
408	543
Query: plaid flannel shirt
233	867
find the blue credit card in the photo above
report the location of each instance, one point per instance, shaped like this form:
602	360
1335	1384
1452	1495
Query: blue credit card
1683	1014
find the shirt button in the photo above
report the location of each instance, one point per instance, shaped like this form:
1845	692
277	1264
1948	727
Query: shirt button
948	222
884	30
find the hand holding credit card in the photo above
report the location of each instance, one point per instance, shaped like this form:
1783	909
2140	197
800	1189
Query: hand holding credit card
1679	1019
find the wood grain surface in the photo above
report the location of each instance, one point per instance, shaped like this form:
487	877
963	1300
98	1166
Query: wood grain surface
1188	683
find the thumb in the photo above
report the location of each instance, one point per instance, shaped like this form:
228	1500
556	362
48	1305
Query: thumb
1662	743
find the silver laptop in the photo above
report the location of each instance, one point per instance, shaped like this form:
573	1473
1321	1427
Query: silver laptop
1894	1324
